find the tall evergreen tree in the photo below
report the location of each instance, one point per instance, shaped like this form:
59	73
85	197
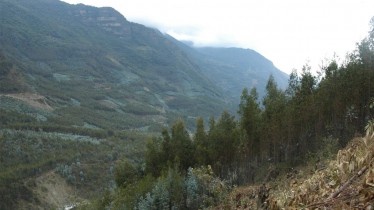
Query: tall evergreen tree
182	146
273	131
201	143
250	121
224	141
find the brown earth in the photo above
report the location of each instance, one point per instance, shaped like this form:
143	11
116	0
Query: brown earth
50	191
33	99
344	183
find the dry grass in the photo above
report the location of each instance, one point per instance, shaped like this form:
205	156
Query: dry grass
344	183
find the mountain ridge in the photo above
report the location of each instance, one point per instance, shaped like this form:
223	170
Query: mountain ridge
117	66
217	63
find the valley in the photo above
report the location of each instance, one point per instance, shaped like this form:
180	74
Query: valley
98	112
86	82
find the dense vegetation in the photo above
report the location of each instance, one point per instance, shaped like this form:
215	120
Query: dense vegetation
81	88
132	79
122	70
84	160
316	114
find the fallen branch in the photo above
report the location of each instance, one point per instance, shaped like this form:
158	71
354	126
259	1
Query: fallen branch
328	202
349	182
341	189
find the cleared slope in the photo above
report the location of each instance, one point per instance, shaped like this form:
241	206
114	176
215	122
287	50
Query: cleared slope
343	183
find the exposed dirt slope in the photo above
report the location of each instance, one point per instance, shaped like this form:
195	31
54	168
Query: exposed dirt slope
34	100
50	191
344	183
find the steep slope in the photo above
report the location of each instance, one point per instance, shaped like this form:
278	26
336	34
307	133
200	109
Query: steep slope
233	69
343	183
85	59
94	68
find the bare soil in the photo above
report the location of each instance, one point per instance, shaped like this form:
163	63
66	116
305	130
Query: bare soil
50	191
33	99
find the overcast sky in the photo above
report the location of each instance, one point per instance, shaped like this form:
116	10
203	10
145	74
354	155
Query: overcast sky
288	32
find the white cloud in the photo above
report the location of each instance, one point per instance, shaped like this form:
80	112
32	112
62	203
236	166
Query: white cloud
288	32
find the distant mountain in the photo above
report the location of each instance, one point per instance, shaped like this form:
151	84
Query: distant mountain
93	68
235	68
232	69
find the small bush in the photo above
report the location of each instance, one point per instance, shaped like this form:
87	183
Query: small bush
125	173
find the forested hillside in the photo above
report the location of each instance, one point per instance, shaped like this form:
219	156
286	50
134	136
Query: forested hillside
98	112
232	69
81	89
308	122
95	68
236	68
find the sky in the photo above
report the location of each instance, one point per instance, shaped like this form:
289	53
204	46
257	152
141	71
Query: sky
290	33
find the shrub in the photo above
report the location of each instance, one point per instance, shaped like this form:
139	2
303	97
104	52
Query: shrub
125	173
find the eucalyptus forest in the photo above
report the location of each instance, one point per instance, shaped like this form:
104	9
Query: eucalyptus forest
98	112
309	121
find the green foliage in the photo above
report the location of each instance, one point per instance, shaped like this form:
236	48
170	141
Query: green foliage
250	121
11	80
8	117
224	141
175	150
127	197
204	189
182	146
170	158
125	173
307	118
192	190
201	143
235	68
199	188
273	117
154	158
85	162
52	49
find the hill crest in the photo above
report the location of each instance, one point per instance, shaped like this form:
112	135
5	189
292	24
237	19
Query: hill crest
146	76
